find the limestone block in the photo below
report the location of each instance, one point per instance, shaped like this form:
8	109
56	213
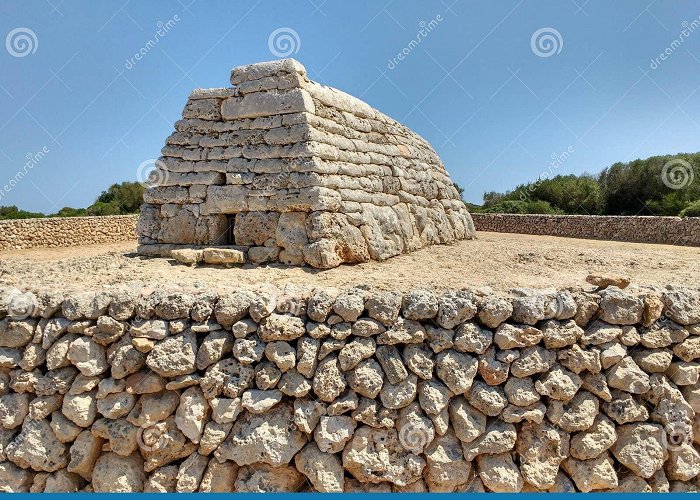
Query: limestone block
266	104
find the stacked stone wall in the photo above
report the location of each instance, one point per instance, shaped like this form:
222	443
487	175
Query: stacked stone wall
66	231
297	173
356	390
643	229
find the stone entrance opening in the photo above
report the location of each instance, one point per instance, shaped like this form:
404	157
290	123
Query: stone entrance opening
230	238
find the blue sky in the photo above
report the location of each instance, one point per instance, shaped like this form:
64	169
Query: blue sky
496	105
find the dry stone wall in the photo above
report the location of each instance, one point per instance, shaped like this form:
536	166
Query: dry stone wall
665	230
290	171
126	390
66	231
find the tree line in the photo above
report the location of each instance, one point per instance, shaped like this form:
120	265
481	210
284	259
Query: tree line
659	185
118	199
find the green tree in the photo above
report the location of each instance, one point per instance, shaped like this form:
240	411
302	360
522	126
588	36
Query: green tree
12	212
692	210
118	199
70	212
649	186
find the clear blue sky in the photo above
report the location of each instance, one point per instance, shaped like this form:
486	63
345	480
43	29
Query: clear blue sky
494	109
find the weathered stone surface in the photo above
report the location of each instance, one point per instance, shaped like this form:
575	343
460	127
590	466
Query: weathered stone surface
162	443
499	437
604	280
193	413
265	478
190	473
509	336
396	396
227	377
589	407
595	440
640	448
267	438
559	383
627	376
376	455
117	474
174	356
575	415
490	400
367	378
620	308
323	470
329	381
281	327
37	447
542	447
456	370
332	432
390	360
446	468
499	473
592	475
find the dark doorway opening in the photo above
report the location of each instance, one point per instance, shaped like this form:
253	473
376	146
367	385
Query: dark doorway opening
230	238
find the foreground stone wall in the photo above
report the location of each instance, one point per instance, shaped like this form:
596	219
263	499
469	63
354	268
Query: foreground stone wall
66	231
359	390
666	230
295	172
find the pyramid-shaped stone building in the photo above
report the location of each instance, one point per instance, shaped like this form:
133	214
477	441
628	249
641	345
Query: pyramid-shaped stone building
287	170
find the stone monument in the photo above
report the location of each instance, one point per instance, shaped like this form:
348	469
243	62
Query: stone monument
282	169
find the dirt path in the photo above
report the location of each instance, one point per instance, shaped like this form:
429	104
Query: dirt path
498	260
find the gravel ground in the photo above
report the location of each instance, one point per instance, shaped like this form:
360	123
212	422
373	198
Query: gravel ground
498	260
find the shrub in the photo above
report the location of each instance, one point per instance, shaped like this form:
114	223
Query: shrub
692	210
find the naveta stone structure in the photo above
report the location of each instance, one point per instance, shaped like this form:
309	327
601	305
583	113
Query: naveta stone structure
286	170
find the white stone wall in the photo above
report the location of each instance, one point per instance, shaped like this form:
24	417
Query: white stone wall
126	390
312	175
66	231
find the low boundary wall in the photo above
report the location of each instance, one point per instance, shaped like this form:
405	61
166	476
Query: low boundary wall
130	390
643	229
18	234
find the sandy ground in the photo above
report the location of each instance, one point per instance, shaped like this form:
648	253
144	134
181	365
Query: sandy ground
498	260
